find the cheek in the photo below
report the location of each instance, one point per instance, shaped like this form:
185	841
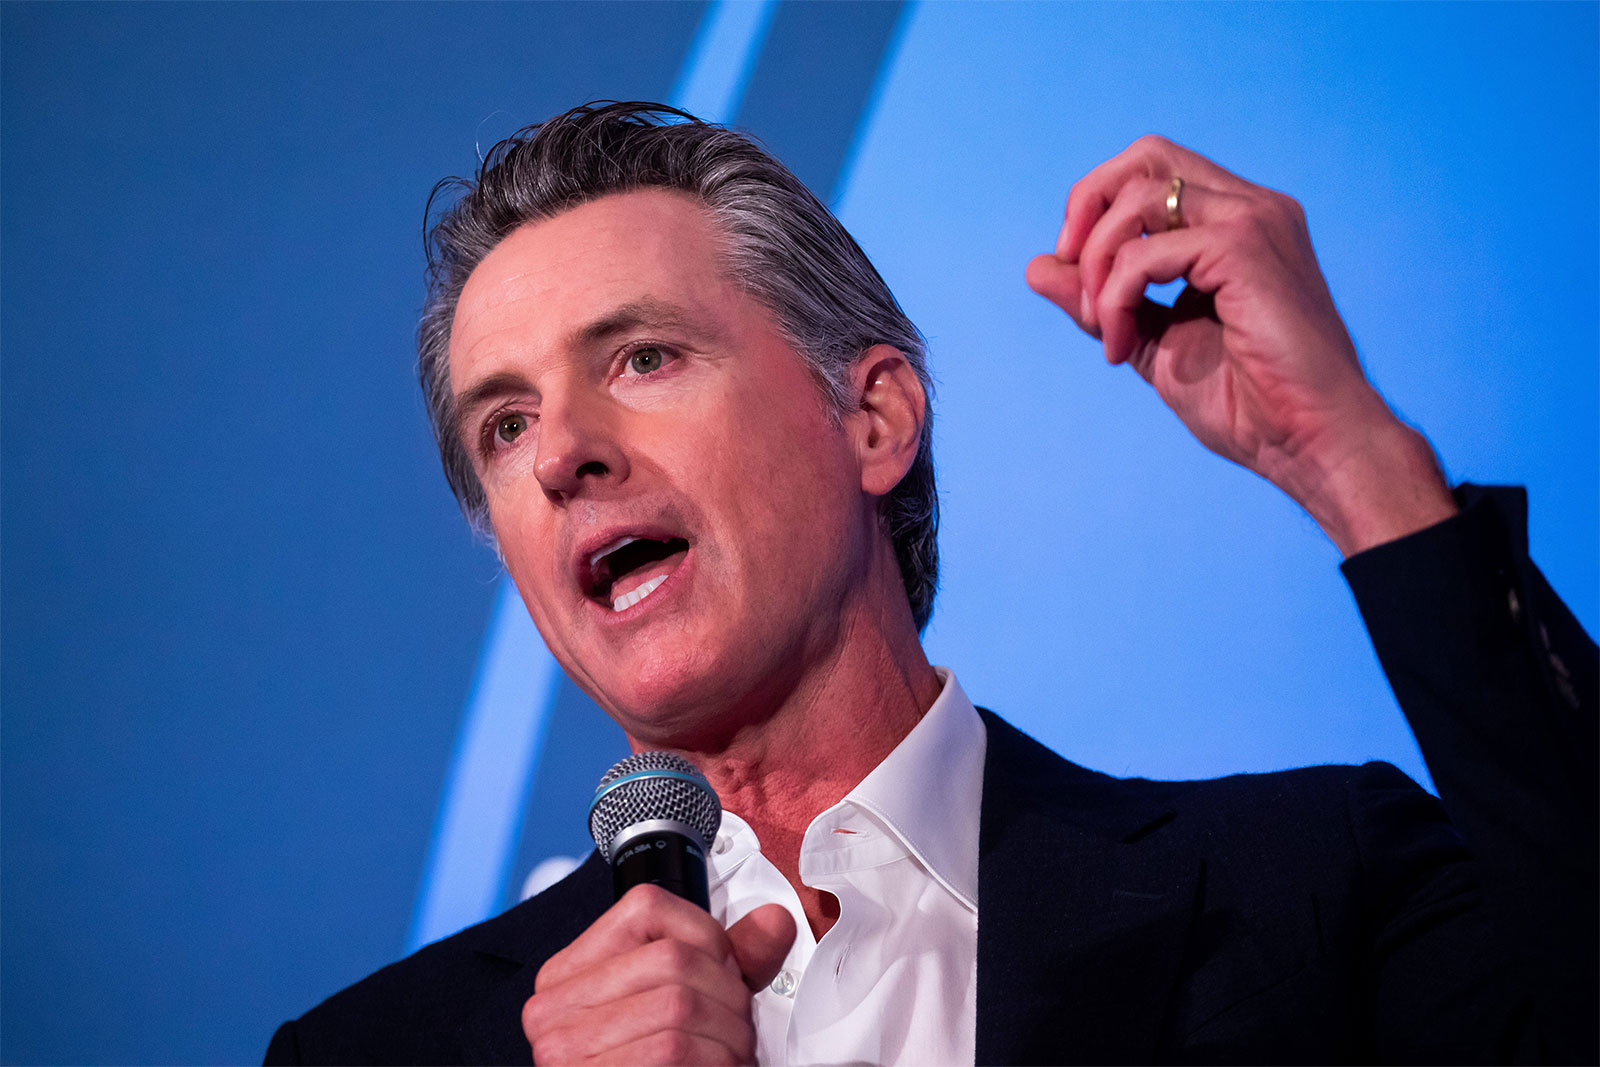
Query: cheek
526	549
809	475
789	490
511	479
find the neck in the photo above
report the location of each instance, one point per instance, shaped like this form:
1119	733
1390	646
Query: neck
780	773
832	725
781	777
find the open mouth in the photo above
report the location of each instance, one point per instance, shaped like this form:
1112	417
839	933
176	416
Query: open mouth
627	571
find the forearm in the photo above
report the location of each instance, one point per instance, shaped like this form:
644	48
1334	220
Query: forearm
1498	682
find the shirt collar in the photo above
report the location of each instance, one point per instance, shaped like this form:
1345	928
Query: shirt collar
927	791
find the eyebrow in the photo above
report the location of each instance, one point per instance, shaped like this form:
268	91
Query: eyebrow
491	388
635	314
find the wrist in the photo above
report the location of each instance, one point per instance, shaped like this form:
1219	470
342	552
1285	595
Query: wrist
1381	484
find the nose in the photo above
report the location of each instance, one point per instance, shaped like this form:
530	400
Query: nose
578	449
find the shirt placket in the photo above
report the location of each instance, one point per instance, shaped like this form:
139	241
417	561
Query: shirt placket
837	848
737	850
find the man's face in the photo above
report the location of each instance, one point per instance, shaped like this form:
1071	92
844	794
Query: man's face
613	385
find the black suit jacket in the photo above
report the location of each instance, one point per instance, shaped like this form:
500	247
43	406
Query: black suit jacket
1331	914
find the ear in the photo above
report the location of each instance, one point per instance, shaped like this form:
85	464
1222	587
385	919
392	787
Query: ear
887	424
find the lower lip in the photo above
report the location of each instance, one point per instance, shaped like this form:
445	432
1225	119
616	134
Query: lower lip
666	589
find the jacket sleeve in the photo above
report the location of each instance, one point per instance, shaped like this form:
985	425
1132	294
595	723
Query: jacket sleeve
285	1048
1498	681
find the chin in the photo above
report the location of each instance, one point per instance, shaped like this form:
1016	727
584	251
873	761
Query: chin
680	701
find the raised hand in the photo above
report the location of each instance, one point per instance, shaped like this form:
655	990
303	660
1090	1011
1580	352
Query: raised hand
1253	356
656	981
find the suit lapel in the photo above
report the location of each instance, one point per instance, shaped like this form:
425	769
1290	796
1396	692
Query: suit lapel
527	936
1084	908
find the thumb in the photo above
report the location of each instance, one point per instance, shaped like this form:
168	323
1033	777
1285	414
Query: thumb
760	942
1058	282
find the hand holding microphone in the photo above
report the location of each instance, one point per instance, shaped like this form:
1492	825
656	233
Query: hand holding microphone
656	979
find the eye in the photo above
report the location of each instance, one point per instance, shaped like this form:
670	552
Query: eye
510	427
646	360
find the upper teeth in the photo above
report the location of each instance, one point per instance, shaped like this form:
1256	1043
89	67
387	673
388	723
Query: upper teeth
595	559
628	600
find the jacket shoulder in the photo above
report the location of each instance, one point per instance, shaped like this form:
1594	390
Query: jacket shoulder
1340	822
420	1009
1019	765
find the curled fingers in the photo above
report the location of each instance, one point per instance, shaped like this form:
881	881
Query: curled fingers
1125	316
646	913
673	1046
664	962
1149	159
673	1017
1140	213
1140	208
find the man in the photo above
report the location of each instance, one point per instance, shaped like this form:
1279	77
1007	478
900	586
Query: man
697	425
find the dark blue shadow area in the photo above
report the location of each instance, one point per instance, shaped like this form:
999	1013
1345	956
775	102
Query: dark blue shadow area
807	96
241	612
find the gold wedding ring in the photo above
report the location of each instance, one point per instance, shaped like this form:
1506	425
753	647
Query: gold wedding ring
1175	204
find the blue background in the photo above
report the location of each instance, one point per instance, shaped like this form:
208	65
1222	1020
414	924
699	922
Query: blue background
241	618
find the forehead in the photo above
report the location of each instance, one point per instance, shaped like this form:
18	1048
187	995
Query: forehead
552	277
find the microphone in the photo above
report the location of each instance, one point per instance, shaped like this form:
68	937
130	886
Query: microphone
652	817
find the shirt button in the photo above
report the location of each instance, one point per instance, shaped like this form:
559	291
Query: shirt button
784	984
721	844
1515	604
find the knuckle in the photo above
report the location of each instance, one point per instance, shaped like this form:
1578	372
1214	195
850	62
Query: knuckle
1074	195
1297	214
1081	198
533	1016
1286	207
1105	306
653	896
1124	258
1151	142
643	901
549	974
679	1005
1269	208
1130	198
552	1048
671	1046
675	957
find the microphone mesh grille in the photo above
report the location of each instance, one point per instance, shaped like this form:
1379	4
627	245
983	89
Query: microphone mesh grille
653	796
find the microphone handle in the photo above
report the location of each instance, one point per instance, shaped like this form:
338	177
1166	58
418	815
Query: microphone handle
664	858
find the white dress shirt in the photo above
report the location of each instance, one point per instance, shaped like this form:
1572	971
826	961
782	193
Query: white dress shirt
895	980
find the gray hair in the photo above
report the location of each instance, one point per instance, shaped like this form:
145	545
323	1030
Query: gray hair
782	246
